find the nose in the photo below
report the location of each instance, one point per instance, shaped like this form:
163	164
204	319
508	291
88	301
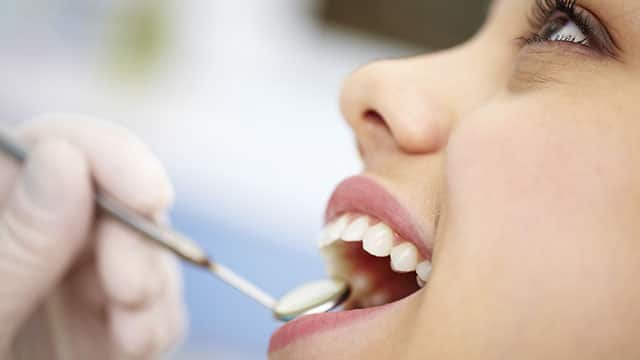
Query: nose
389	95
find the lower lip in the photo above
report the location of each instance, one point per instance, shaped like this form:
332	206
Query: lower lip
309	325
312	324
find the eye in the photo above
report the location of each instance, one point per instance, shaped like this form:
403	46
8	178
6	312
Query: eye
564	29
566	21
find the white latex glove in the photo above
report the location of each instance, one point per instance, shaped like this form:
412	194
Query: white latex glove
73	286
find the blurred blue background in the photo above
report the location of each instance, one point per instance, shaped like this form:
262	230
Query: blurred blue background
239	100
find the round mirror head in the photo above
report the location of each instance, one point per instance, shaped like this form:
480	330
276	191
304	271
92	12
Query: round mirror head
312	298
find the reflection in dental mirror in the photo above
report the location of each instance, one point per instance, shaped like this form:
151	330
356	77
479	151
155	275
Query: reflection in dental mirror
312	298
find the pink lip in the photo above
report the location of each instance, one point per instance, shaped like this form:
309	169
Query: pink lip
363	195
313	324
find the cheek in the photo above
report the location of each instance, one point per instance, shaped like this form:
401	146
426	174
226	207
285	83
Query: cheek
550	199
533	164
531	187
543	212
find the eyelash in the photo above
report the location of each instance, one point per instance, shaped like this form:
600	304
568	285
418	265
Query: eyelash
544	10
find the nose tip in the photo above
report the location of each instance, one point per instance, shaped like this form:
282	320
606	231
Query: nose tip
385	93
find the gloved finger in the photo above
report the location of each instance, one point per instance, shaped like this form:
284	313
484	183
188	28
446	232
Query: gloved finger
155	327
120	163
85	286
176	318
129	265
126	169
133	330
42	227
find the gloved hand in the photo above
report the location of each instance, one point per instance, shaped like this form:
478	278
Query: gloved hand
75	284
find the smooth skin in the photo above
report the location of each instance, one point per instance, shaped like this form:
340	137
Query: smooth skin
529	158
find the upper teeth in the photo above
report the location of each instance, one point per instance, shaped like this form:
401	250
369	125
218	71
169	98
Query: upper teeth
333	231
424	270
356	230
404	257
378	239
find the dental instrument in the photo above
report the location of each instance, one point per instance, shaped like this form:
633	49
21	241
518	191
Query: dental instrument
311	298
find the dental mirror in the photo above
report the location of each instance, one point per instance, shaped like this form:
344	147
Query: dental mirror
311	298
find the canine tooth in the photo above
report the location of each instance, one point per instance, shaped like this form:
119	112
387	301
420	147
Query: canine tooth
404	257
333	231
356	230
423	270
378	240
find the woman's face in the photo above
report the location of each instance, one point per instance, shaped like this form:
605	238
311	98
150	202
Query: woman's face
515	165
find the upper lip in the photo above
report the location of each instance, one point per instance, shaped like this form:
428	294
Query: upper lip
362	194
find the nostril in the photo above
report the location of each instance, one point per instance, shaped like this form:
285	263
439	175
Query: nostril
375	117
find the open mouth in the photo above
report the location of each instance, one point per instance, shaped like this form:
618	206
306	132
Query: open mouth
371	242
380	266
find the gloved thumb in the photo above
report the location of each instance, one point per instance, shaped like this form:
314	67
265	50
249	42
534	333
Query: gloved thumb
43	227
